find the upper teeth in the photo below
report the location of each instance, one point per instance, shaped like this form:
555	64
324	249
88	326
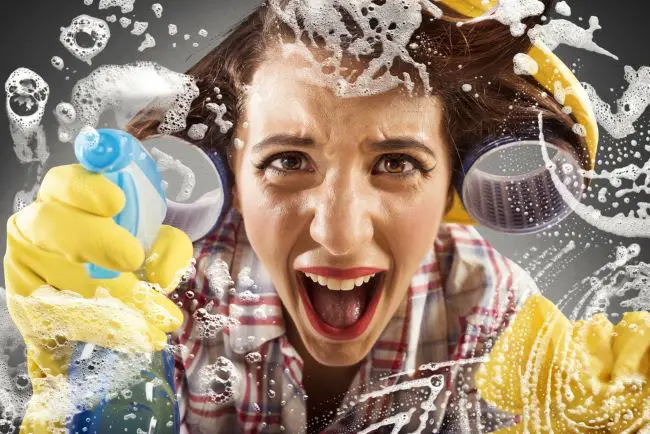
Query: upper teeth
339	284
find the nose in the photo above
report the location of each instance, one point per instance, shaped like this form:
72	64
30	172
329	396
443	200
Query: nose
342	220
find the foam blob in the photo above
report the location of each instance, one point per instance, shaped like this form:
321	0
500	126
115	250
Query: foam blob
128	89
203	33
125	22
125	6
139	27
157	9
26	98
523	64
197	131
629	107
57	62
166	162
85	26
220	381
563	8
25	197
558	32
172	29
220	111
65	113
149	42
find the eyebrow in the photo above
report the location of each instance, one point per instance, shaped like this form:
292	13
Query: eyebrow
306	142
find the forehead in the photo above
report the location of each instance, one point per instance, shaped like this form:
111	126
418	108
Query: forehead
281	98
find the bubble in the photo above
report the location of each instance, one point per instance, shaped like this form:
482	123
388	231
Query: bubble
467	87
57	62
139	27
203	33
111	18
85	37
157	9
172	29
239	143
220	380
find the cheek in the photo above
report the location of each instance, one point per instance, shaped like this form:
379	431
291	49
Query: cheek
413	226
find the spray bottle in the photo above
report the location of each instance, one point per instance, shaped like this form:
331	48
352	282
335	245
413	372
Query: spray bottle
149	404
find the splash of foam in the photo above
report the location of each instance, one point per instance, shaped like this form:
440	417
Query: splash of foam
166	162
625	226
26	97
95	28
383	31
511	13
128	89
560	31
629	107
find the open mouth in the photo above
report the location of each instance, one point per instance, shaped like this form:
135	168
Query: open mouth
340	309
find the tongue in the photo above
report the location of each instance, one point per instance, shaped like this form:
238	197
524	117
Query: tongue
339	309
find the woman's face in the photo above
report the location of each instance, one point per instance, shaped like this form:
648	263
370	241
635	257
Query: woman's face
350	191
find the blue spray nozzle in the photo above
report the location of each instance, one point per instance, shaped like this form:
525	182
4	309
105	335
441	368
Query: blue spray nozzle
104	150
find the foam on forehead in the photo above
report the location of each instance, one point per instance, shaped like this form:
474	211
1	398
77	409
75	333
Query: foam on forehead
378	30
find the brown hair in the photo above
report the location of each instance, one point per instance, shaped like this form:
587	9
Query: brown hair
481	54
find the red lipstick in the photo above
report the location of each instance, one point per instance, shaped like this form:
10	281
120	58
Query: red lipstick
340	273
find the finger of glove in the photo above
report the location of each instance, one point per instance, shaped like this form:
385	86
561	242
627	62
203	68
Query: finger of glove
81	189
79	236
170	256
35	266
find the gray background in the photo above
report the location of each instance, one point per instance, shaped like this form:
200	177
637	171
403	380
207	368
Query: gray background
30	31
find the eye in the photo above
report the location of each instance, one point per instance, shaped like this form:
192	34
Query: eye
285	163
399	164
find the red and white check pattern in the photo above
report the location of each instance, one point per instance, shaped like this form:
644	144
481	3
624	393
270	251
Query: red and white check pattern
461	298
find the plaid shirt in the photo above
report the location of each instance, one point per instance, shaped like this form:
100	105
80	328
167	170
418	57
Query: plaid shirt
236	371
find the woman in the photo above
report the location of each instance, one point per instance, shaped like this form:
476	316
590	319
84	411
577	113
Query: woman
345	278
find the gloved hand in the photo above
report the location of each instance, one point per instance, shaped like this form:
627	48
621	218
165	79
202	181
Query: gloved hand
571	377
54	302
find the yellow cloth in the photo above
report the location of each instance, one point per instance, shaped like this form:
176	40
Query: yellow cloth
571	377
52	299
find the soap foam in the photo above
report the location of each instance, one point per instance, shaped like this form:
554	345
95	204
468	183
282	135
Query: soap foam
166	162
560	31
26	97
95	28
629	107
386	27
128	89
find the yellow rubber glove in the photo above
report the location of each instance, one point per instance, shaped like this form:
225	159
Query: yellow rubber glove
571	377
52	299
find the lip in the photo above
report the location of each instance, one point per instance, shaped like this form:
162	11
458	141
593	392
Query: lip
342	334
340	273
